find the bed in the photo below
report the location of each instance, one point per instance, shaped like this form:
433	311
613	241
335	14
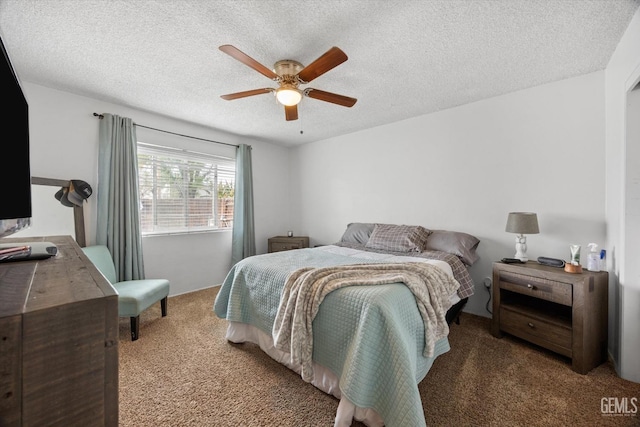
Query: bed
354	327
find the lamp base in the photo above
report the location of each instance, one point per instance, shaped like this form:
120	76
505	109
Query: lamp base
521	248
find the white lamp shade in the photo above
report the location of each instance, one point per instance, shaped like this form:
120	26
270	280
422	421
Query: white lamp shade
288	96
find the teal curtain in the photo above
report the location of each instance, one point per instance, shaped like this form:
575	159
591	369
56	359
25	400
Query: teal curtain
118	199
243	242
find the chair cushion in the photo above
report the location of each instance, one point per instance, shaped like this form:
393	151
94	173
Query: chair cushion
135	296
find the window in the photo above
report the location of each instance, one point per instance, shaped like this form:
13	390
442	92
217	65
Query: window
182	191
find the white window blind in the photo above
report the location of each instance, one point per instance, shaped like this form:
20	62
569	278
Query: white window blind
182	191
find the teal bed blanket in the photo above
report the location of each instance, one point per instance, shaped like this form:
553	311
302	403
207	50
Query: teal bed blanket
371	337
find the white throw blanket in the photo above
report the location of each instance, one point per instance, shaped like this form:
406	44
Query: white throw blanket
305	289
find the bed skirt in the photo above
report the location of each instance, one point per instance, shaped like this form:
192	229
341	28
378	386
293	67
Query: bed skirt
324	379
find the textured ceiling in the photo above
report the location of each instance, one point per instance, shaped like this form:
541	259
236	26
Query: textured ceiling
406	58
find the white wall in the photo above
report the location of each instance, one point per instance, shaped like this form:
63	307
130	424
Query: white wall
540	150
64	145
623	191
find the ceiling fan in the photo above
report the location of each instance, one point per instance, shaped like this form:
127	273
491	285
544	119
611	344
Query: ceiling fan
289	75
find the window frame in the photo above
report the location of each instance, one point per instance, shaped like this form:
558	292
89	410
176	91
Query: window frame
178	156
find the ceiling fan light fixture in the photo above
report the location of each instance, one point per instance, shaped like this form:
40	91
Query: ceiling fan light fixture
290	74
288	95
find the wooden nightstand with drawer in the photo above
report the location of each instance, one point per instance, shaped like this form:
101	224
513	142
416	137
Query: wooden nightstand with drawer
563	312
285	243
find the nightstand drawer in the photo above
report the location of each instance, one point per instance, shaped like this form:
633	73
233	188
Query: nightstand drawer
285	243
538	287
278	246
554	336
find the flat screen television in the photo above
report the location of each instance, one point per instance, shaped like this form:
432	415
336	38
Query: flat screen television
15	171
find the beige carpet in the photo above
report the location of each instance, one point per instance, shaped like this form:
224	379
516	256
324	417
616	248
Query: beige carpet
182	372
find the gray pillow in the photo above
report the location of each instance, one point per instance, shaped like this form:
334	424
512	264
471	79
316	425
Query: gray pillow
454	242
398	238
357	232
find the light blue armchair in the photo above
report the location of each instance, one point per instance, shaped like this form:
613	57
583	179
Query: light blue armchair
134	296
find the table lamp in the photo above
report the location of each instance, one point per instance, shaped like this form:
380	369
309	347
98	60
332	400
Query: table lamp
522	223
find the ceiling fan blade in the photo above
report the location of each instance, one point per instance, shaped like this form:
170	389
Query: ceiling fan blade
331	59
334	98
249	61
246	93
291	112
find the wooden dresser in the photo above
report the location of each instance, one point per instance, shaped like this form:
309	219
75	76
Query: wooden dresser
563	312
59	340
285	243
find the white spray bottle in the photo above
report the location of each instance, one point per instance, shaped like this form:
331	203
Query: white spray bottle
593	259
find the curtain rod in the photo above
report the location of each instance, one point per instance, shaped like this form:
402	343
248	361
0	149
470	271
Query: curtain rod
100	116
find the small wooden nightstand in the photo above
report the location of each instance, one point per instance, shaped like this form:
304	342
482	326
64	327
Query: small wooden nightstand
284	243
563	312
